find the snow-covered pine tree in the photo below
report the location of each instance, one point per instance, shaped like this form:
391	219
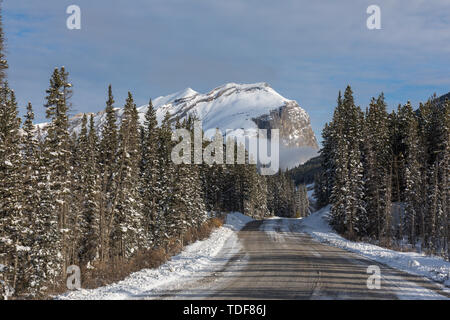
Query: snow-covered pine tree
128	236
197	206
323	181
377	152
339	191
89	191
164	185
347	196
180	217
30	196
45	244
437	144
446	183
356	215
13	227
107	166
74	234
57	144
413	177
149	172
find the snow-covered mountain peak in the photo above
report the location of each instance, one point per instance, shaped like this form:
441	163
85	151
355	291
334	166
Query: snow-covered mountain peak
186	93
229	107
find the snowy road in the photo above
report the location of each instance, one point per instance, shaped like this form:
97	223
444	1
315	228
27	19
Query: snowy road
279	261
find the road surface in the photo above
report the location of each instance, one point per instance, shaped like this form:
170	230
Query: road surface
288	264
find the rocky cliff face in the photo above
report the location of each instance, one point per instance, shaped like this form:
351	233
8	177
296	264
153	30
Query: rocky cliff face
293	123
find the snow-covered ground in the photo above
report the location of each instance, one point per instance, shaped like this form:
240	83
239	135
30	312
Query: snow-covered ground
197	260
434	268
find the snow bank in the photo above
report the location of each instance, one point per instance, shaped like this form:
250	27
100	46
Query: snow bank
236	221
434	268
196	261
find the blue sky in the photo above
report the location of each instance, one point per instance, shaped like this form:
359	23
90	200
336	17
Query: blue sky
306	50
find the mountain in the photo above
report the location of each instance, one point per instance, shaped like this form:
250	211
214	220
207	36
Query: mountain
236	106
444	97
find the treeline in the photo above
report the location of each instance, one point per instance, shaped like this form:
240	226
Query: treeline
386	175
285	199
306	173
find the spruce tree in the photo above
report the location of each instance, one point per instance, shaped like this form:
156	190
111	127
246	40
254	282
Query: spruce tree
57	153
413	177
128	236
107	166
13	229
164	184
377	163
90	192
149	172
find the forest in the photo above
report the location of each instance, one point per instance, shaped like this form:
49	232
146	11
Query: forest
88	199
386	175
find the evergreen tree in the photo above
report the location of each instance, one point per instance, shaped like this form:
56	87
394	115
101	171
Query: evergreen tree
377	163
149	172
128	236
13	229
107	166
90	192
57	154
413	177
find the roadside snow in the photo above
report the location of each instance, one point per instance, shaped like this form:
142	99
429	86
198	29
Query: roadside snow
195	261
434	268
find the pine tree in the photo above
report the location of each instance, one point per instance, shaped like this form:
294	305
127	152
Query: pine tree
149	172
108	184
57	153
90	192
74	234
377	162
13	230
128	236
445	165
45	254
437	139
413	177
164	184
348	213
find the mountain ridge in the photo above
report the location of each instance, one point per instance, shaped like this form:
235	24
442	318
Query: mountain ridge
232	106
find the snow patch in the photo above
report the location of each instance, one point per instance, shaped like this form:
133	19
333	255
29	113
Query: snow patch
434	268
236	221
197	260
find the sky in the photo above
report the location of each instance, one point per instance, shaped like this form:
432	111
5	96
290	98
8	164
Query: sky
306	50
